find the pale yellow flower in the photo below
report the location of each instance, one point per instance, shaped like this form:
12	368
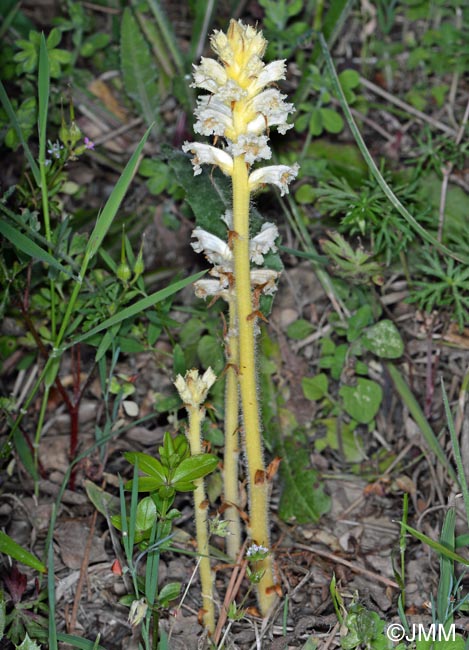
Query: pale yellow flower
193	388
279	175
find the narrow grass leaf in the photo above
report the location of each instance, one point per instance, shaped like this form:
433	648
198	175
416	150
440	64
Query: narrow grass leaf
457	452
372	165
9	110
152	568
436	546
107	259
138	307
462	541
3	614
4	27
133	509
200	26
106	217
124	523
51	589
138	68
445	582
167	33
79	642
43	93
9	547
420	419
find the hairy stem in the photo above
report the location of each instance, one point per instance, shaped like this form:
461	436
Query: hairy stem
231	457
201	525
258	484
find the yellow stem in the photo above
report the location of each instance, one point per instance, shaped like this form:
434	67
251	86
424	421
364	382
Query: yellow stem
231	458
201	525
258	485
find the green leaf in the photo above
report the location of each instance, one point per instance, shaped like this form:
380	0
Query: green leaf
147	484
356	323
148	464
179	360
207	194
340	436
416	412
79	642
104	502
8	546
315	122
384	340
52	371
305	194
139	71
94	43
210	352
363	400
146	514
349	79
299	329
54	38
169	592
30	248
195	467
303	498
315	388
436	546
26	116
331	120
113	203
28	644
43	96
3	612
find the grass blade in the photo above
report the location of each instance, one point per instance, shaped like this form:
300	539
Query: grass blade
51	591
167	33
30	248
446	580
106	217
436	546
9	110
43	94
8	546
138	70
457	452
79	642
420	419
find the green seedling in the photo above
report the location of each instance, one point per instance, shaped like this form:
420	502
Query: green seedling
148	524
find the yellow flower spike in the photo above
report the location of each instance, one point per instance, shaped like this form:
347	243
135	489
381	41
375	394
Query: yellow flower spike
240	108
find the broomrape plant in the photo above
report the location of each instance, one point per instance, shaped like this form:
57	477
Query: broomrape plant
241	106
